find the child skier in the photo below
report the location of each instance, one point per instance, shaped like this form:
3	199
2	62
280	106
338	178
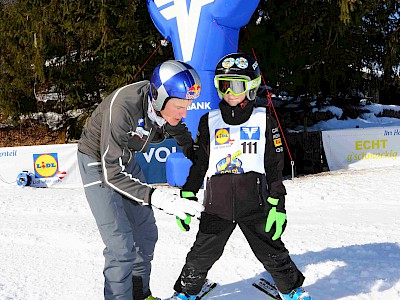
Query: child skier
240	153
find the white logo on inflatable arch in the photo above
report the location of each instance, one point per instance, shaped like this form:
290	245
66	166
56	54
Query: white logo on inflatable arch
160	154
187	21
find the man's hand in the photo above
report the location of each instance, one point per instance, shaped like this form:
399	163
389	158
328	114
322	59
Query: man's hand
184	224
174	205
275	216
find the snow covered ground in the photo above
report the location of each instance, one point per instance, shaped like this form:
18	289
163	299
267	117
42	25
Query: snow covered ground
343	233
365	120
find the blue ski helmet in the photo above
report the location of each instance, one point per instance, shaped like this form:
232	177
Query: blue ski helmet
173	79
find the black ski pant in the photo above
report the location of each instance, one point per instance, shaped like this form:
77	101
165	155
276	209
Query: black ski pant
211	239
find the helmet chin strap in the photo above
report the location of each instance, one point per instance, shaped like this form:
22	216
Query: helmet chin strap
154	115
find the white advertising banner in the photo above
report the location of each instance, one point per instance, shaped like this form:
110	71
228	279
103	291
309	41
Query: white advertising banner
45	165
362	148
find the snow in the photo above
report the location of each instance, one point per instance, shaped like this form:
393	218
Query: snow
366	120
343	234
369	120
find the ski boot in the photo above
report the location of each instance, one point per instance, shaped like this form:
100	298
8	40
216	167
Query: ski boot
183	296
297	294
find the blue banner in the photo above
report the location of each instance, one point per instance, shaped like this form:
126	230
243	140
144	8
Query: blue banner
201	32
153	161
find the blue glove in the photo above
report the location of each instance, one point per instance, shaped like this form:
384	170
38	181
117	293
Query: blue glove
277	217
184	223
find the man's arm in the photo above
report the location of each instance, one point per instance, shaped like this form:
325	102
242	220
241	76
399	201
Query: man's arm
115	155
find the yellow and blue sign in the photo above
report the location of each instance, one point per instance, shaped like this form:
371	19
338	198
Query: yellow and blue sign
45	165
222	136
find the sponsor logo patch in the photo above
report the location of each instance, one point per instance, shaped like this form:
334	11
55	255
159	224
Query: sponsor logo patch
193	92
222	136
249	133
277	142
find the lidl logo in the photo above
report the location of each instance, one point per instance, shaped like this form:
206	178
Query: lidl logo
222	136
46	165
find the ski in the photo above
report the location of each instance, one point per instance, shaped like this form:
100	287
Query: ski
208	286
268	288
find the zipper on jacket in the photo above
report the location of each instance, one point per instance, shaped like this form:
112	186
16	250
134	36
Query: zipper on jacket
210	193
233	198
259	189
146	142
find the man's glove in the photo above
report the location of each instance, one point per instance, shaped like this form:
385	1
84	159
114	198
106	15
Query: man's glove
184	224
276	215
174	205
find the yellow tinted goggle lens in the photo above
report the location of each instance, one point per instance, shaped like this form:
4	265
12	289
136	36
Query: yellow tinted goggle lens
236	86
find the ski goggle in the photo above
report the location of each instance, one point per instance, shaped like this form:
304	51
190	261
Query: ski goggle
236	85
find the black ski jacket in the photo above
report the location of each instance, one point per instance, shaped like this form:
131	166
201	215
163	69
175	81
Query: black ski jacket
237	196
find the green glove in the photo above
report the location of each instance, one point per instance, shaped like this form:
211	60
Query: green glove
184	224
276	217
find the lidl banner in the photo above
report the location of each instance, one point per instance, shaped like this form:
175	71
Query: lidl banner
362	148
40	166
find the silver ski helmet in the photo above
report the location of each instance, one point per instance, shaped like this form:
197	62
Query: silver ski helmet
237	73
173	79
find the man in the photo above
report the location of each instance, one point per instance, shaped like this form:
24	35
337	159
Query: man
121	202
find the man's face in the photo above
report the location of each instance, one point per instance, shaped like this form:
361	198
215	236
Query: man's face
175	110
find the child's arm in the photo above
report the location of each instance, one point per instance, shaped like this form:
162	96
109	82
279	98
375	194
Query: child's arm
199	167
274	159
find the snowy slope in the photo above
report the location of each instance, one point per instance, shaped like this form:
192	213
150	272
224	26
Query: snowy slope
343	233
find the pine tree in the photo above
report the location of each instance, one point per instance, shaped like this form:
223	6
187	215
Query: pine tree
323	47
78	51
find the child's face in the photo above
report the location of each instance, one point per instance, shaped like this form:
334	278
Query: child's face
233	100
